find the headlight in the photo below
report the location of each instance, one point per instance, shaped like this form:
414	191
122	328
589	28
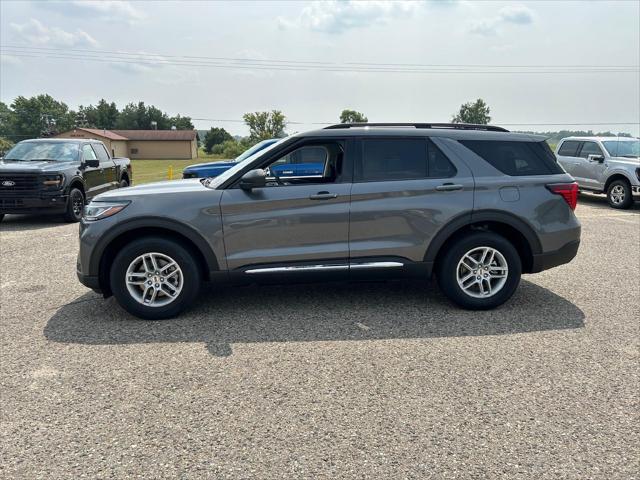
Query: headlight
53	182
99	210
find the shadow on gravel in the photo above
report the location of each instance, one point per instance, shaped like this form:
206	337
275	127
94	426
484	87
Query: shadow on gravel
600	202
304	313
16	223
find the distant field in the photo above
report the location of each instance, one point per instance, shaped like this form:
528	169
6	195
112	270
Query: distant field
147	171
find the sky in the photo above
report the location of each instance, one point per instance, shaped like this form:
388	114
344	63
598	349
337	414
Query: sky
533	62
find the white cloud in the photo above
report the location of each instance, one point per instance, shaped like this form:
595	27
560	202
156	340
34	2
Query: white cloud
109	10
338	16
35	32
515	14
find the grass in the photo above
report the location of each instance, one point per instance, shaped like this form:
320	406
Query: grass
147	171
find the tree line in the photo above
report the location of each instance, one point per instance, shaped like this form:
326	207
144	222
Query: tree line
43	115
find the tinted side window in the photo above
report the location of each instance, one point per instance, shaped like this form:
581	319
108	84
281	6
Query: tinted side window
569	148
590	148
516	158
88	153
439	164
102	154
392	159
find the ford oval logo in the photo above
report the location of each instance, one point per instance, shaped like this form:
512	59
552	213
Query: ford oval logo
8	183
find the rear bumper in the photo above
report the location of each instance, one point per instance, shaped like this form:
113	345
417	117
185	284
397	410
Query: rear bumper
20	205
545	261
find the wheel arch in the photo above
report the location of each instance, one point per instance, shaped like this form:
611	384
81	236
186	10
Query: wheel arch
76	182
518	232
616	176
108	247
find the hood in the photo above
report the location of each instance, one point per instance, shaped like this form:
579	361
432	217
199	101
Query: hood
169	187
35	167
211	165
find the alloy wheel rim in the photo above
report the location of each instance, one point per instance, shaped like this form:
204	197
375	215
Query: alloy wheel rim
617	194
482	272
77	204
154	279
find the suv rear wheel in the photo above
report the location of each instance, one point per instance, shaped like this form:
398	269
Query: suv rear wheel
154	278
480	271
619	194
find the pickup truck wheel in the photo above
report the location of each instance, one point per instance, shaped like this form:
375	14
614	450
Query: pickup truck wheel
480	271
619	194
75	205
124	183
154	278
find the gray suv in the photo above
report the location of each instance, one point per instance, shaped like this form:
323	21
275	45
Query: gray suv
473	204
608	165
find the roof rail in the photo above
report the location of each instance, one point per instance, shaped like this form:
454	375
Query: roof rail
453	126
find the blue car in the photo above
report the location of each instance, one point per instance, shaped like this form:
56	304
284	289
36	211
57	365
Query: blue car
307	162
213	169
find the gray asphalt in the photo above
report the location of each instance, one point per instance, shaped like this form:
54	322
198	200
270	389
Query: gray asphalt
377	380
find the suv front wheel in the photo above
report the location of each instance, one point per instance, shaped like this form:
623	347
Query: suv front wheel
154	278
480	271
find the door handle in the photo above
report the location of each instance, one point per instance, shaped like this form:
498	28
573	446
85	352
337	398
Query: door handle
323	196
449	187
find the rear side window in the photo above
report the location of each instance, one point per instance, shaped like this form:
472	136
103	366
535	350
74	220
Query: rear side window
569	149
401	159
516	158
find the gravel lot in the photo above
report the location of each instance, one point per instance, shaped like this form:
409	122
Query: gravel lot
378	380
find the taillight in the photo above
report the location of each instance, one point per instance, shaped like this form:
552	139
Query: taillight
569	192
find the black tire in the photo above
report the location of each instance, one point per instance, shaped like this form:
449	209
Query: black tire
75	205
124	183
447	270
1	216
619	194
184	259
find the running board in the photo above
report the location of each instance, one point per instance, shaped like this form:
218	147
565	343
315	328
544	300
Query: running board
316	268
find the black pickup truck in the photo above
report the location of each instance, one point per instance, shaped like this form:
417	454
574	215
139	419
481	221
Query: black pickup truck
48	175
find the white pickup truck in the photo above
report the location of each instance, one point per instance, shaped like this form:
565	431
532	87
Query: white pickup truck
608	165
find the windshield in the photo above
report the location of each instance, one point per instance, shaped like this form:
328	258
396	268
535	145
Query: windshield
52	151
256	148
622	148
224	176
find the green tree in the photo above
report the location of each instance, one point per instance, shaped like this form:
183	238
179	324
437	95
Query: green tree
473	112
181	123
5	145
39	116
351	116
265	125
103	115
215	136
6	120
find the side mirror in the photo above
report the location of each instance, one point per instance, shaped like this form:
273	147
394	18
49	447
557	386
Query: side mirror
253	179
596	158
92	163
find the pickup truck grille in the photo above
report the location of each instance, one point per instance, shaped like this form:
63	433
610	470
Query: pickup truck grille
13	183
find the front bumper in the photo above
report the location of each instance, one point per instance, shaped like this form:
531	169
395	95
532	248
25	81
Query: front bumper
42	204
545	261
635	190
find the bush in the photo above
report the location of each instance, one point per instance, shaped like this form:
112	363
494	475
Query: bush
232	148
5	146
217	149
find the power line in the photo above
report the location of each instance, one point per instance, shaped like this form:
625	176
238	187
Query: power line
146	59
304	62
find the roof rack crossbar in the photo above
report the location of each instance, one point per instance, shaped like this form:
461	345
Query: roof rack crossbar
453	126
